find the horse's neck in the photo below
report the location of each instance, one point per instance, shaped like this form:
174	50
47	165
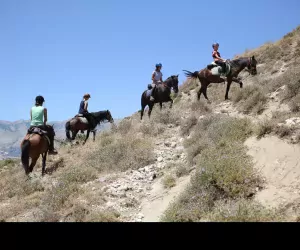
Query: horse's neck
238	65
101	115
168	83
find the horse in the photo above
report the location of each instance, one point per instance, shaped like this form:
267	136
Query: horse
236	66
161	94
34	145
80	123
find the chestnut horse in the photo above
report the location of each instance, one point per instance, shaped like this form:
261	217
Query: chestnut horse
206	77
32	146
80	123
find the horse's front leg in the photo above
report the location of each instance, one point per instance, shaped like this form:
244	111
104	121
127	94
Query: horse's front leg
235	79
94	135
171	103
74	133
229	80
160	105
44	163
87	136
150	109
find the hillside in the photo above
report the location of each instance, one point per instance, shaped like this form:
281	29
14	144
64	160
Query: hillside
233	160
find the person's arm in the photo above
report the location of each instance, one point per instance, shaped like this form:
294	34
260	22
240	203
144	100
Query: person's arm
45	116
153	75
161	78
30	114
216	56
85	106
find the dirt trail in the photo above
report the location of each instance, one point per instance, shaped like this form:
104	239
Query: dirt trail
279	163
158	201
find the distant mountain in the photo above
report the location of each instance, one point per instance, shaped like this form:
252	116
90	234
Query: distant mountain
12	133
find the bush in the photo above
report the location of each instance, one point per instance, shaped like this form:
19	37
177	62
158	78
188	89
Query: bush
263	128
250	99
122	153
169	181
224	170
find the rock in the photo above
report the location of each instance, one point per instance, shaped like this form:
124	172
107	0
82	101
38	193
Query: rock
160	159
152	177
167	144
141	169
140	216
102	179
173	145
93	188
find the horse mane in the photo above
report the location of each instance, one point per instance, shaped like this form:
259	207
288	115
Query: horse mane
100	115
239	60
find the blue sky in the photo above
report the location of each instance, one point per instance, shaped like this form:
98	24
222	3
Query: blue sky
62	49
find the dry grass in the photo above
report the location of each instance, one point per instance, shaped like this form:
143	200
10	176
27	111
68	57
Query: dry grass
224	170
189	85
168	181
263	128
250	99
242	211
181	170
121	153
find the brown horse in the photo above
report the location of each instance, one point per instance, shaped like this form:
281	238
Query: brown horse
32	146
161	94
80	123
236	66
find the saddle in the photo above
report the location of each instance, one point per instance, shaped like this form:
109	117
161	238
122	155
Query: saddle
36	130
40	132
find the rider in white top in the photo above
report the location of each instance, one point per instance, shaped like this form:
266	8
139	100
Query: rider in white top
156	78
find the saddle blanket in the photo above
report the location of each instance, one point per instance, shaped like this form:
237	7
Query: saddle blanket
217	70
82	119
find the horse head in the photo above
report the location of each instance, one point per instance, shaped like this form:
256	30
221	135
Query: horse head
172	82
109	117
252	65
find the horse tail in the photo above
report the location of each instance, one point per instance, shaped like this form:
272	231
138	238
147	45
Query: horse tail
68	128
191	74
25	154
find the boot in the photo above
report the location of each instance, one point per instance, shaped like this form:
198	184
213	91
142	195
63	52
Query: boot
152	99
52	150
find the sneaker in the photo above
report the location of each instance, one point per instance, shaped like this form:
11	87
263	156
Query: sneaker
52	152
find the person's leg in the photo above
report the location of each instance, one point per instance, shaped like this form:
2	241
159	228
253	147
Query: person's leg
50	134
91	121
152	99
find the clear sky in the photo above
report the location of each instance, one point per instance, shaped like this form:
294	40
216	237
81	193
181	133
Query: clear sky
62	49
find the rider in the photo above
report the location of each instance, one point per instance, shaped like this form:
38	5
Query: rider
38	117
217	57
84	111
156	79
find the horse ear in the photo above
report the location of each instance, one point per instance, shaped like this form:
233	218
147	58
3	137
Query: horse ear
177	75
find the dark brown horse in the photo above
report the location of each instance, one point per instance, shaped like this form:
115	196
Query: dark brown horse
32	146
236	66
80	123
161	94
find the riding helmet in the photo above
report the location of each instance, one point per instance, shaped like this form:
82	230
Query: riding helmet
214	44
87	96
158	65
